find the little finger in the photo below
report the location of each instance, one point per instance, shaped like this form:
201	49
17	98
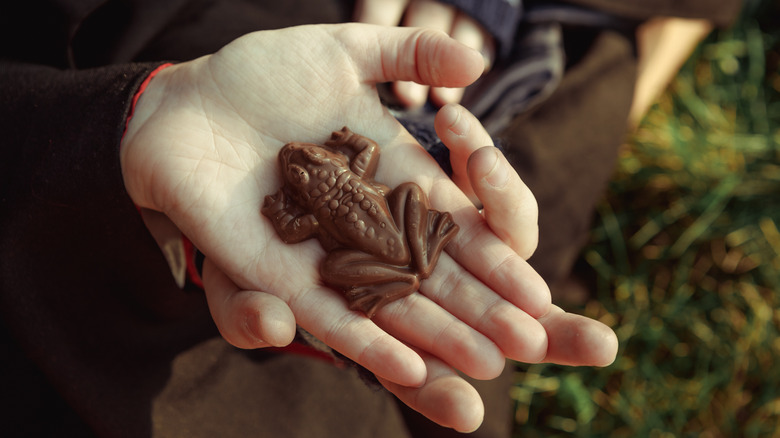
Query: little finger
444	398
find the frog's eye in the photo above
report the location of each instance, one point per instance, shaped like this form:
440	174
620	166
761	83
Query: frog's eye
297	175
315	155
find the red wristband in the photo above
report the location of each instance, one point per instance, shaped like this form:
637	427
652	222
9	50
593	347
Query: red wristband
141	90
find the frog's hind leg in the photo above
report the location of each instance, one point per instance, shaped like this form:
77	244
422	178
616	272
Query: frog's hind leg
367	283
427	231
370	299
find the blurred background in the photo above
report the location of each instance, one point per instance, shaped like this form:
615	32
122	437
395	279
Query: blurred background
685	260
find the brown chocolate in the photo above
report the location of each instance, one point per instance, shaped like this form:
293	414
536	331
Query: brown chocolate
381	243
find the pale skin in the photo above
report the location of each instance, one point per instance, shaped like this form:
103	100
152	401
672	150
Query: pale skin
201	148
430	14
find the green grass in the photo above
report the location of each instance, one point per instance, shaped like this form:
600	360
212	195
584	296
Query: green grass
686	251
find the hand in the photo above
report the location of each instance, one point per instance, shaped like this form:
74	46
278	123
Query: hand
202	147
433	15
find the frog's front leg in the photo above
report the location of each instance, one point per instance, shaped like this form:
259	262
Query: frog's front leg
426	231
291	223
363	153
367	282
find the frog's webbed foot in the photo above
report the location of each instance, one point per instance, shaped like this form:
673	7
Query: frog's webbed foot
290	222
370	299
441	229
427	231
272	204
367	283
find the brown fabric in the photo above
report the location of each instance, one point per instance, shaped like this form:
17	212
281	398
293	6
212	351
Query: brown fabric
565	151
217	391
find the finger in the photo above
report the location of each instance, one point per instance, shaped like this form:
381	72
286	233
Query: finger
325	315
422	323
245	318
462	133
381	12
509	206
444	398
519	336
468	32
578	341
478	249
424	56
428	14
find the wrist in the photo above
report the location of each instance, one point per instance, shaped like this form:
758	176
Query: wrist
147	99
141	90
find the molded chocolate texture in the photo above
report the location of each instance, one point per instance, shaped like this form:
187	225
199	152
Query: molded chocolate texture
381	243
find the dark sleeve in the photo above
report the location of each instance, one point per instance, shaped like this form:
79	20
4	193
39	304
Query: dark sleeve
75	259
62	130
62	119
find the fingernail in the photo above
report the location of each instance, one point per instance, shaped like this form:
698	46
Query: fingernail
252	329
498	177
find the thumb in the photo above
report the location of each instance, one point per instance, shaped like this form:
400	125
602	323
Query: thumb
425	56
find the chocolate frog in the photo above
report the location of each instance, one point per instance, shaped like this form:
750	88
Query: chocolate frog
381	243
